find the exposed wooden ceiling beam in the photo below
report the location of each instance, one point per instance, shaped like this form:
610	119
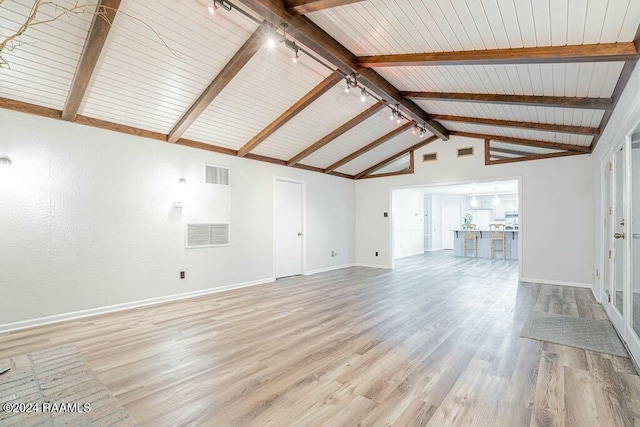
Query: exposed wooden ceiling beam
102	20
521	141
395	156
369	147
337	132
527	100
549	127
233	67
507	151
316	39
300	7
296	108
604	52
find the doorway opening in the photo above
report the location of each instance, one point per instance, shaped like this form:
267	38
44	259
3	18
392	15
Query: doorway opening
479	220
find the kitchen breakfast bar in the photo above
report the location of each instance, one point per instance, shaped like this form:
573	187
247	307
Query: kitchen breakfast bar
483	238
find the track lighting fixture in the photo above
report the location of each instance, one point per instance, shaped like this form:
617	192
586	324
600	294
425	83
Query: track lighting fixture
271	40
415	129
352	81
364	95
294	47
217	4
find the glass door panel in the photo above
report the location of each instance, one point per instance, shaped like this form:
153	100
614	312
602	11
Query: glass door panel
618	225
608	233
634	230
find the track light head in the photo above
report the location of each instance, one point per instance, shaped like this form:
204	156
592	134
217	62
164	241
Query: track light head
415	129
393	114
364	95
296	56
271	41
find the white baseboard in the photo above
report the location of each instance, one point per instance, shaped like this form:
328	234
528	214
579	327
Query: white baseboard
56	318
434	250
359	264
324	270
558	282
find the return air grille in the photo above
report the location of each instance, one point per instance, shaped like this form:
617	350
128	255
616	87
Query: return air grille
216	175
468	151
207	235
430	157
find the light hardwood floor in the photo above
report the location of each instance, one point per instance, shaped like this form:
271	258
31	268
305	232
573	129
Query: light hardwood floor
434	342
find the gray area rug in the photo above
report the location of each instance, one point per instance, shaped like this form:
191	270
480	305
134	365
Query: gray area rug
587	334
56	387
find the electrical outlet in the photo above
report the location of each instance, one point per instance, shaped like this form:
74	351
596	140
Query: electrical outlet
182	275
386	214
376	253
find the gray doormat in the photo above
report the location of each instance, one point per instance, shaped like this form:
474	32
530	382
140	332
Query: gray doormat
587	334
56	387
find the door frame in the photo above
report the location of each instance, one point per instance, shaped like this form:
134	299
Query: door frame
303	185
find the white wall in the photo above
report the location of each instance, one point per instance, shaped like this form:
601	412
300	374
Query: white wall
624	121
87	219
556	220
408	223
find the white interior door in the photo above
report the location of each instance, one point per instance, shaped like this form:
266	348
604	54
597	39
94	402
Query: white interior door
451	220
288	214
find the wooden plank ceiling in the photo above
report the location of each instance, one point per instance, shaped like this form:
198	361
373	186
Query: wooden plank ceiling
534	79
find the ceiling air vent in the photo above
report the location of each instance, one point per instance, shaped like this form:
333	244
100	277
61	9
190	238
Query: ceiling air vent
207	235
467	151
216	175
430	157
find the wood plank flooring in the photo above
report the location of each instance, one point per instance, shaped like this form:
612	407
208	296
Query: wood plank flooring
434	342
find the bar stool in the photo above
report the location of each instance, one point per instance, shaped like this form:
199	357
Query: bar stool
498	234
469	233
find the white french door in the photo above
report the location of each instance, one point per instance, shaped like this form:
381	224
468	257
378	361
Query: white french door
621	274
288	228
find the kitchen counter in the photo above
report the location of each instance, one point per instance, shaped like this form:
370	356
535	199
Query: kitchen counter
484	244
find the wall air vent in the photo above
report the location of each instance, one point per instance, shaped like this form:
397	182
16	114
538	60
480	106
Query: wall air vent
429	157
207	235
467	151
216	175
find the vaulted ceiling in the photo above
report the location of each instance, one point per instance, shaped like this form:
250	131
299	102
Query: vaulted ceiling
533	79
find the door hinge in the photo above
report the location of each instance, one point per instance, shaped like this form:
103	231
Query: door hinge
608	297
610	166
609	254
610	210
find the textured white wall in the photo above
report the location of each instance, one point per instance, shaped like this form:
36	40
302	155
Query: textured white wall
87	219
556	222
408	223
